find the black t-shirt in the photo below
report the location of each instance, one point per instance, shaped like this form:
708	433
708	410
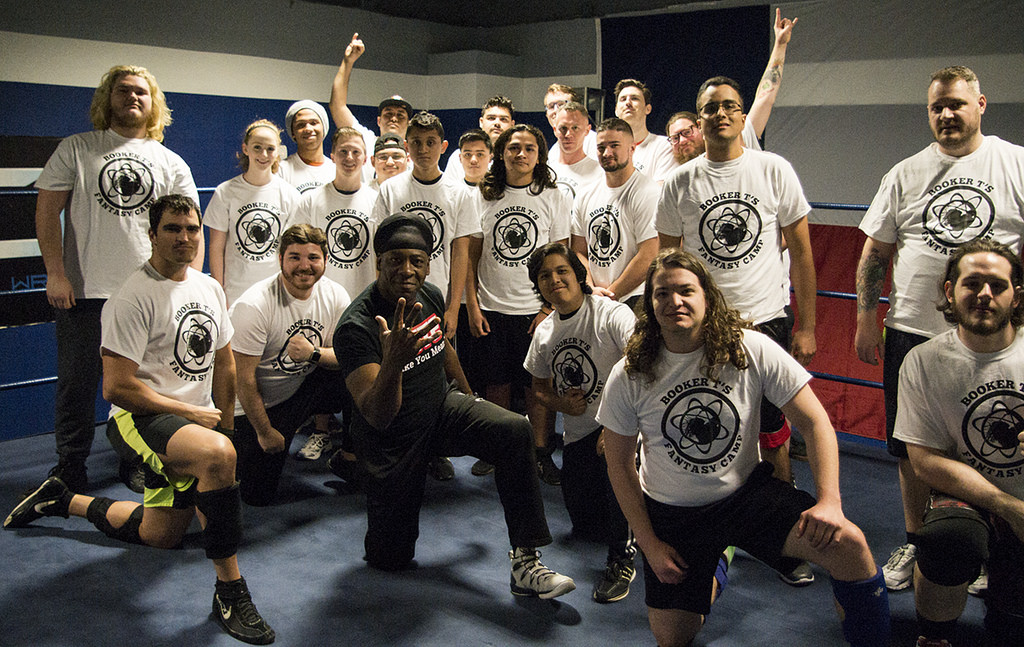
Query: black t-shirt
424	381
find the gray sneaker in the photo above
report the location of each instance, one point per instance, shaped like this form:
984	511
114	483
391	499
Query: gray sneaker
533	579
314	447
899	570
51	499
614	584
802	575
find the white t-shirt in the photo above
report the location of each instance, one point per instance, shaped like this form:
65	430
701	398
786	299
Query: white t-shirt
254	217
579	352
928	205
266	317
437	202
453	171
574	178
345	219
731	215
589	149
512	228
113	181
968	405
653	156
614	221
305	177
699	439
171	329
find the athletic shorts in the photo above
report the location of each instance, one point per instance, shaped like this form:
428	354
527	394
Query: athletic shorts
505	349
775	430
148	436
757	518
897	345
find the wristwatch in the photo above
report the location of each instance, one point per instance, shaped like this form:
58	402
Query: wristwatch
315	357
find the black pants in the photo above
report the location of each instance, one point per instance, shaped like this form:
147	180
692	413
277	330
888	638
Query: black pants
593	509
258	472
467	426
79	370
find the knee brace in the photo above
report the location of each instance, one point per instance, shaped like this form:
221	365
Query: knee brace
223	511
953	542
96	513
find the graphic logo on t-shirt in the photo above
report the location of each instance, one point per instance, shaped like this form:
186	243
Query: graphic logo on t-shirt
126	182
990	428
515	235
194	344
957	215
604	237
434	216
257	230
573	369
567	186
702	429
730	232
286	364
348	241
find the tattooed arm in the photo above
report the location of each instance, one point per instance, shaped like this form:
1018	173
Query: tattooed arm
874	262
768	88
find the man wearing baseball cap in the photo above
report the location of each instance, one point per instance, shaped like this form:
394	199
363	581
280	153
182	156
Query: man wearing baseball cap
393	113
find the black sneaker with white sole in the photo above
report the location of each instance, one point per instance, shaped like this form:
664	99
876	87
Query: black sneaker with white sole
234	610
51	499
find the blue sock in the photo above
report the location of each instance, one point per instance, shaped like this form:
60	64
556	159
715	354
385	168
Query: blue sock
864	607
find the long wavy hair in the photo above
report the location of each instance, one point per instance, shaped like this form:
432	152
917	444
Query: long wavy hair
493	185
243	159
721	332
159	115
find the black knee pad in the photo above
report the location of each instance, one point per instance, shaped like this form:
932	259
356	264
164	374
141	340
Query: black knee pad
96	513
953	542
223	511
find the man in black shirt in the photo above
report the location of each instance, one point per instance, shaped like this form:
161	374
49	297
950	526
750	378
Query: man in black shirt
413	402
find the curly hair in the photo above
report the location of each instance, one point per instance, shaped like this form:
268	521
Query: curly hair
243	159
721	331
952	275
493	185
159	114
302	234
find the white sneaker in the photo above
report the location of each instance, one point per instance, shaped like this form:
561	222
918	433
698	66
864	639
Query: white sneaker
533	579
314	447
980	585
899	570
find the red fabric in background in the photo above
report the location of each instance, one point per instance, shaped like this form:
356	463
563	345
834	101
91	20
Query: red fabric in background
857	410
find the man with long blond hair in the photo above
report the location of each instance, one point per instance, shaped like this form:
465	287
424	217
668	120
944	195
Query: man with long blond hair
691	386
105	182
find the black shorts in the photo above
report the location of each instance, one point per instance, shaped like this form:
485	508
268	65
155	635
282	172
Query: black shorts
774	430
148	436
505	348
897	345
757	518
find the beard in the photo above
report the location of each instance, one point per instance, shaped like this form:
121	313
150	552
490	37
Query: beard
129	119
981	328
685	156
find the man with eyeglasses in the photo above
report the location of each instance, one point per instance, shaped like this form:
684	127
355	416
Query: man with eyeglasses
389	159
735	207
556	96
682	130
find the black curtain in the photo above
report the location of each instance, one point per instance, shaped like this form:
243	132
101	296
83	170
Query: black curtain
674	53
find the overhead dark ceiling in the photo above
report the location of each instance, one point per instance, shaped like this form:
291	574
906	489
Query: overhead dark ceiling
501	13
